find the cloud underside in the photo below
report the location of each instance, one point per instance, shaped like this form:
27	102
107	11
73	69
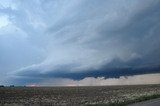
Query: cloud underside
46	39
106	71
101	81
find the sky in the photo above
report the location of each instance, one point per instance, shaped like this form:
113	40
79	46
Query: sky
79	42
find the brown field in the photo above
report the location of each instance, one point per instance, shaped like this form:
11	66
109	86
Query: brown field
72	96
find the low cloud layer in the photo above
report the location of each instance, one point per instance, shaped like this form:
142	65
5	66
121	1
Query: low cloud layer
101	81
46	39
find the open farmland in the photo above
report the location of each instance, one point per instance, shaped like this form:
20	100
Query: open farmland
73	96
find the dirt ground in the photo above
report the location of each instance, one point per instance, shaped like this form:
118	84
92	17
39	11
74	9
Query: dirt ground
72	96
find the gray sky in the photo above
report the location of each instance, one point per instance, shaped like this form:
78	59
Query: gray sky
76	39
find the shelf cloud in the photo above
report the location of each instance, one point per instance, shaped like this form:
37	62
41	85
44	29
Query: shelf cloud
47	39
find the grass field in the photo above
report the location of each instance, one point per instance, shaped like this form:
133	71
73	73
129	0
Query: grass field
77	96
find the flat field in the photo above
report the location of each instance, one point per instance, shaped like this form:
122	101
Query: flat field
73	96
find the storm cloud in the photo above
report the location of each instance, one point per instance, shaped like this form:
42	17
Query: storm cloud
46	39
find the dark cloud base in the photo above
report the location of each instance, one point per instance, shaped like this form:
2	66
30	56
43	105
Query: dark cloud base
115	69
104	72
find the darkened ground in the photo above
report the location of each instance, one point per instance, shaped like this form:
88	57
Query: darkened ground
73	96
